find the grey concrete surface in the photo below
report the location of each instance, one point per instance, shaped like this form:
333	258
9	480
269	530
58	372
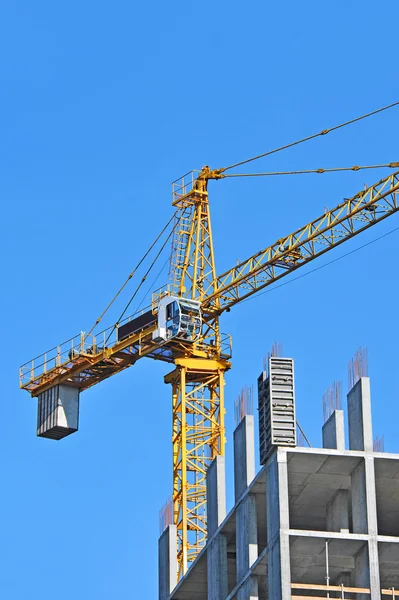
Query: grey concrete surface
314	477
359	416
387	495
337	514
247	535
333	431
359	499
244	455
279	576
308	558
216	494
249	590
217	571
167	562
362	572
389	565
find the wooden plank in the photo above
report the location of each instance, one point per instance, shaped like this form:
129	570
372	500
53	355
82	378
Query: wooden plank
309	598
346	590
313	598
329	588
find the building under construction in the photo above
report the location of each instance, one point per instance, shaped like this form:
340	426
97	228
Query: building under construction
309	518
312	523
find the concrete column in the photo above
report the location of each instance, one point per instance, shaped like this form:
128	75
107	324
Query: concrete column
217	568
216	494
374	564
217	549
244	455
279	568
249	591
372	523
167	562
359	499
246	535
364	516
338	512
246	521
362	572
364	507
359	416
334	431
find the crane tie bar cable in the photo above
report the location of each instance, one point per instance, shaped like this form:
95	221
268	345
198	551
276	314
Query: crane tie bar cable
392	165
140	284
310	137
132	273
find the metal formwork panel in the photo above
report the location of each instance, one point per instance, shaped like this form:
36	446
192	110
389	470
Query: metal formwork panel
276	400
58	412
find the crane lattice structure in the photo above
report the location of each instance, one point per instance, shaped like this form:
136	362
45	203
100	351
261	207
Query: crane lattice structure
182	328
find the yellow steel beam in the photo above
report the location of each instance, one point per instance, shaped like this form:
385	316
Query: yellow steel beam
197	364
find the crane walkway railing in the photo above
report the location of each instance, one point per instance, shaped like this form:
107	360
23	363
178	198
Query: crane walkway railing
85	359
183	186
62	358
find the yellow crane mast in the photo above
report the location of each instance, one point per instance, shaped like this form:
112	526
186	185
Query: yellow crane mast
182	328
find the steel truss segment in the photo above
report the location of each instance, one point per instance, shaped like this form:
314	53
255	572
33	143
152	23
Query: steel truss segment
314	239
197	436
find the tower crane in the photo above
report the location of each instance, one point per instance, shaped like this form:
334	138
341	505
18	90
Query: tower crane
181	327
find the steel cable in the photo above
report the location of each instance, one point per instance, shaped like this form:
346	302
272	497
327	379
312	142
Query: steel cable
392	165
310	137
132	273
141	283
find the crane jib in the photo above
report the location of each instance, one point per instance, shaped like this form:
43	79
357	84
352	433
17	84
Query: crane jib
343	222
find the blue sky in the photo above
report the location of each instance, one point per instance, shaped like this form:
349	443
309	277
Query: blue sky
102	106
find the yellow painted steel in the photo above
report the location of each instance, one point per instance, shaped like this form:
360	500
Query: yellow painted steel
197	384
197	380
287	254
198	436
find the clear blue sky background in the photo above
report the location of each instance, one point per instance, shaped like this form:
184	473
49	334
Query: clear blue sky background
102	106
